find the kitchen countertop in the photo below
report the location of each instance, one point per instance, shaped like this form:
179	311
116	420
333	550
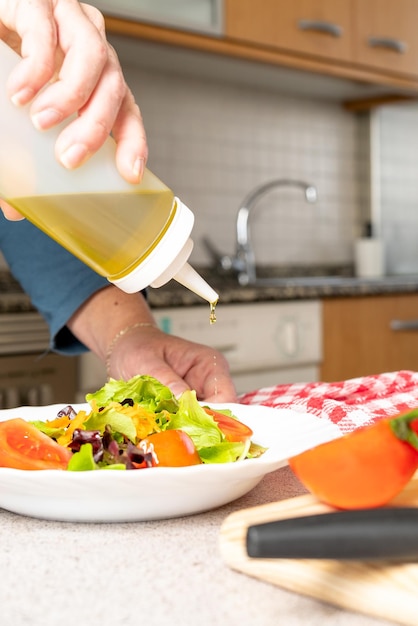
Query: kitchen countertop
162	573
290	287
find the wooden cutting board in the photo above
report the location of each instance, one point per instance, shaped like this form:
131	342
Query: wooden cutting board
385	590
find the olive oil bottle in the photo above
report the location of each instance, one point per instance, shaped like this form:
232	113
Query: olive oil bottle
134	235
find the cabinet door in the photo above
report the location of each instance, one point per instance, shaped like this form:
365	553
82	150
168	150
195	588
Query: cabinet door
314	27
369	335
386	35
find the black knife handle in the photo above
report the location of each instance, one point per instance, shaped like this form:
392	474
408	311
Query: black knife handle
365	534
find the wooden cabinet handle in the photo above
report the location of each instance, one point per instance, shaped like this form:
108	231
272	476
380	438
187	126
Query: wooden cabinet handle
385	42
404	324
322	27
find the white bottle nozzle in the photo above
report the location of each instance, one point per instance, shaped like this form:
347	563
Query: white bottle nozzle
188	277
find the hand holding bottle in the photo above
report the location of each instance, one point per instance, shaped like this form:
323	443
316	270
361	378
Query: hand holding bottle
70	72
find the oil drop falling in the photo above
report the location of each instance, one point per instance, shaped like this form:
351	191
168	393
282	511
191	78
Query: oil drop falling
215	379
212	320
212	314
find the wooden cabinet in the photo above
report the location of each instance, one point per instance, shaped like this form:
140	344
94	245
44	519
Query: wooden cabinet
379	34
367	42
369	335
385	35
318	27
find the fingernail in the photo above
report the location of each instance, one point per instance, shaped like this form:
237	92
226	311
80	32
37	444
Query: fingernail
45	119
22	97
138	168
177	389
74	156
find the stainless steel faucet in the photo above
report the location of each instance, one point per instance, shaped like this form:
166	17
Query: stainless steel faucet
244	260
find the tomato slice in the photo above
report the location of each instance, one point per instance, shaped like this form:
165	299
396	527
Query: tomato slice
23	446
363	469
233	429
173	448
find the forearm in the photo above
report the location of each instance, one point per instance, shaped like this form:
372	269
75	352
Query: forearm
105	314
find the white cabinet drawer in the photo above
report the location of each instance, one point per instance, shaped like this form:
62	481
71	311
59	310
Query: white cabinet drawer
253	336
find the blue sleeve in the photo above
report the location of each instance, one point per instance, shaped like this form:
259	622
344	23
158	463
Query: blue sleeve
55	280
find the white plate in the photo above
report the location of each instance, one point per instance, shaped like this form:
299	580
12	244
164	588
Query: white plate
158	493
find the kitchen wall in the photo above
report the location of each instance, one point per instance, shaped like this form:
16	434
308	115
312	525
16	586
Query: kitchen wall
212	140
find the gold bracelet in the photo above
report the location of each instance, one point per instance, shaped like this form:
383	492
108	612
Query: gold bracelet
118	336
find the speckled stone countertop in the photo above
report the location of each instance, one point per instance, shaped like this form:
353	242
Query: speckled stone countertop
156	573
296	286
289	284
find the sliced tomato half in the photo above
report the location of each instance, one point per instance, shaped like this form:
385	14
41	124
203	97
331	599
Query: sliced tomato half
23	446
173	448
233	429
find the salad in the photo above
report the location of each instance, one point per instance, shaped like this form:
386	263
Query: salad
131	425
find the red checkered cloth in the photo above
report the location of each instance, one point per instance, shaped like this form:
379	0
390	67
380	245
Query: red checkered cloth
350	403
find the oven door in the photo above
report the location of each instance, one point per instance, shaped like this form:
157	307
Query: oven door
37	380
29	374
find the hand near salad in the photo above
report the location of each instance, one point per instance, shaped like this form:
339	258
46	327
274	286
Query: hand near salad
69	67
129	342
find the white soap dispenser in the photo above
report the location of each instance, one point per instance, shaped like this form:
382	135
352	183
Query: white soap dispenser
369	259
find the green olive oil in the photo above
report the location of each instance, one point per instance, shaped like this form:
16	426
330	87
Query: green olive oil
110	232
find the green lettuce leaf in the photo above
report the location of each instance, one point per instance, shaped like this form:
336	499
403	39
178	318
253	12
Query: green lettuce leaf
117	421
52	432
225	452
145	390
193	419
83	461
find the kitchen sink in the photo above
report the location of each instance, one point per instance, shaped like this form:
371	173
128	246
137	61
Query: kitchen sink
313	281
333	280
